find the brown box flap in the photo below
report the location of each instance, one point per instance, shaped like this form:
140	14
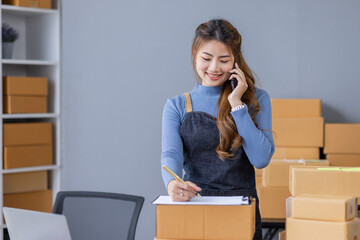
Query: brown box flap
33	86
296	108
27	133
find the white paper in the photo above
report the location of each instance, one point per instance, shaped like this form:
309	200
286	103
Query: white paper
206	200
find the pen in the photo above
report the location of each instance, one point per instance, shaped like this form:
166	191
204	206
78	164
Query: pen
177	177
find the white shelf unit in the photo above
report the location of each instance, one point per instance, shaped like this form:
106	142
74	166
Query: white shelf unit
36	53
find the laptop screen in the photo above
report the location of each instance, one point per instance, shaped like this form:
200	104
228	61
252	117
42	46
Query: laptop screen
32	225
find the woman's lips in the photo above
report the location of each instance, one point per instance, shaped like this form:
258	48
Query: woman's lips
213	77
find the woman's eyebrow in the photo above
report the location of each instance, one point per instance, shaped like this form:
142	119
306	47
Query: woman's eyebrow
223	56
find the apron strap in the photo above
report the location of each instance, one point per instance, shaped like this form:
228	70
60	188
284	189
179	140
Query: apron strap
188	102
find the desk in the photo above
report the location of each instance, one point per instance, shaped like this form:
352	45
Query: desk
273	226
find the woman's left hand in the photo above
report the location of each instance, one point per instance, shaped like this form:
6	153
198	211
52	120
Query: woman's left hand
236	95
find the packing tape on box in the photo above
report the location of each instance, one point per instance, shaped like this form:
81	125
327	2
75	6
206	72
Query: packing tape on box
340	169
313	160
293	160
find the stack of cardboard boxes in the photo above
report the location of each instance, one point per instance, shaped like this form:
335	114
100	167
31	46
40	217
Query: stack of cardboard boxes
27	145
342	144
323	203
274	189
322	217
298	128
298	135
25	94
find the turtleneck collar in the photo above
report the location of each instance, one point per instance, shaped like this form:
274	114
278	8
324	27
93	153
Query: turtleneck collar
206	90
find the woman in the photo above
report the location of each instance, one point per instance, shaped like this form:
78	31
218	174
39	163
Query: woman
217	134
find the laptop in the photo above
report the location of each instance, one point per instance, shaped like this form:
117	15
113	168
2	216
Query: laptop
32	225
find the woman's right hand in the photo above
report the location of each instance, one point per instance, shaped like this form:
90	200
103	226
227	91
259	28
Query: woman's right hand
181	192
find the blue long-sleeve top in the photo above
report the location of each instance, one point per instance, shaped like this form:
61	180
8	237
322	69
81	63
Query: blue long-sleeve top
258	142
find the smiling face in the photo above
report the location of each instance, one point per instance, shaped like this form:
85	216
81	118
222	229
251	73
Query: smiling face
213	62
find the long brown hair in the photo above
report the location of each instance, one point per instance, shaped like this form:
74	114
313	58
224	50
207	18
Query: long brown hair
224	32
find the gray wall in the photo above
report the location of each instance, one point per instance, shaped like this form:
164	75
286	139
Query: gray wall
122	59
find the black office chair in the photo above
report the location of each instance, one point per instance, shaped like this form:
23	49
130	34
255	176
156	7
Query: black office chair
98	215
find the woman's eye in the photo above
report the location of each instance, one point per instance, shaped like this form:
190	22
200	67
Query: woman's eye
206	59
224	61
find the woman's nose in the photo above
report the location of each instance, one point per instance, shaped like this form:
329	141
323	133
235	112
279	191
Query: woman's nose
214	66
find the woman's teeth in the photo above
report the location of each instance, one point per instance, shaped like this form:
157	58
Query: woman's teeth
211	75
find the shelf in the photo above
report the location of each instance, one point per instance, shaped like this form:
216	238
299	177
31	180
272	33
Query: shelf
26	11
36	53
29	115
30	169
28	62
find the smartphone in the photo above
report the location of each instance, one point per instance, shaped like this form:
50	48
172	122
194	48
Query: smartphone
233	81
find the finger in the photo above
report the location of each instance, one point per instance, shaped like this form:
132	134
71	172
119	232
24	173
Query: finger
235	76
181	185
238	72
194	186
188	188
188	194
181	196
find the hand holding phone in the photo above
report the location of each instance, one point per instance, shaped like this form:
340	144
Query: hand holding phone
233	81
238	84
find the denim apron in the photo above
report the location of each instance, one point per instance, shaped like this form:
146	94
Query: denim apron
200	136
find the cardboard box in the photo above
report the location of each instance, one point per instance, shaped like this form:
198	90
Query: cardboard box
345	160
282	235
24	104
323	208
333	181
301	229
276	174
39	133
258	180
296	153
25	94
298	132
295	108
28	86
25	182
27	156
272	201
258	172
205	222
342	138
36	201
29	3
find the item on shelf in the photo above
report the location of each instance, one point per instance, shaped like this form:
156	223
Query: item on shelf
27	144
29	3
36	201
25	94
25	182
31	159
9	36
